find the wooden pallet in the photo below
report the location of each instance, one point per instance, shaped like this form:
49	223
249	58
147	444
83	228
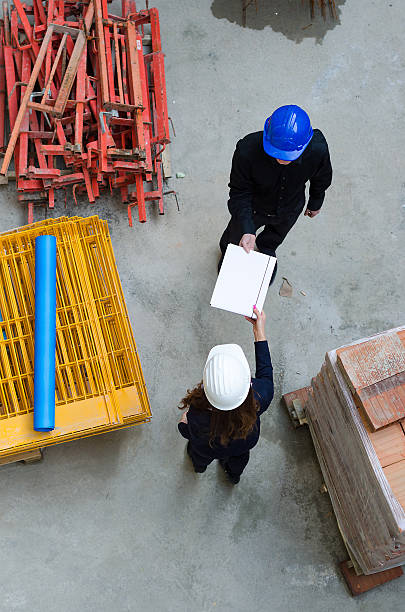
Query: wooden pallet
358	584
295	404
356	581
28	457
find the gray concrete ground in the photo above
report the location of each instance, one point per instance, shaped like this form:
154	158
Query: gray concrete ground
120	522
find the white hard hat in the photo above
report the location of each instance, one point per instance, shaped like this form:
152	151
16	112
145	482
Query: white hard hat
226	376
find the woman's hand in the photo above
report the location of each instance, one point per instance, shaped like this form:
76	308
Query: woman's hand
258	324
184	417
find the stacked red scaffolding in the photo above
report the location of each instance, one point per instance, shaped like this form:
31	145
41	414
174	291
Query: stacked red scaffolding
86	99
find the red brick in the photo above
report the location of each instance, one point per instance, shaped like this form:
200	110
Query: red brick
373	361
384	402
389	444
375	373
395	475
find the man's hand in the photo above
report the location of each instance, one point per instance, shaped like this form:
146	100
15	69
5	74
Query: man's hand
311	213
248	242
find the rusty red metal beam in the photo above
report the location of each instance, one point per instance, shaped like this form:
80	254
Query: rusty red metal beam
70	74
80	97
24	103
2	87
101	56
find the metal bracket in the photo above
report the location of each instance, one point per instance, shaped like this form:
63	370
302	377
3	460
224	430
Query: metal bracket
35	94
108	115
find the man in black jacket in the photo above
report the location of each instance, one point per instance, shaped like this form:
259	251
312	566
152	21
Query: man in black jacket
267	184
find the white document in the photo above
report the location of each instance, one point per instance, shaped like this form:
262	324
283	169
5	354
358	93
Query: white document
242	281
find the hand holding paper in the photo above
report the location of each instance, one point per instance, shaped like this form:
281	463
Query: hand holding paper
248	242
259	323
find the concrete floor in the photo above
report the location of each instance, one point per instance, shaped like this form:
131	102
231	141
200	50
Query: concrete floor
120	522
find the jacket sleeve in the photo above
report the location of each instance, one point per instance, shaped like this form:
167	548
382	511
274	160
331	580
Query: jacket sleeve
319	182
263	382
183	429
241	192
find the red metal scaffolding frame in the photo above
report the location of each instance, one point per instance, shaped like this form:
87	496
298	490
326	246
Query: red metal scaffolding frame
86	101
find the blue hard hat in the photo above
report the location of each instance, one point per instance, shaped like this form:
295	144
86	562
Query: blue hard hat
287	132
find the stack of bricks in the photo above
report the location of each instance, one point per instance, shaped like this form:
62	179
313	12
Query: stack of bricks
356	413
375	373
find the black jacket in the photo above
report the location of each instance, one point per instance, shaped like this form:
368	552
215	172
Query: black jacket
259	183
198	427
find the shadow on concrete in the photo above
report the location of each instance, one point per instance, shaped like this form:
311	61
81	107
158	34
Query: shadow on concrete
101	456
290	17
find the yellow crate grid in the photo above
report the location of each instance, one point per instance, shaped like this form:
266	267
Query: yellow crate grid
110	305
95	349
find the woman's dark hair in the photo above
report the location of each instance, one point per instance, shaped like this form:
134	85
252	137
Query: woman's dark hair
225	425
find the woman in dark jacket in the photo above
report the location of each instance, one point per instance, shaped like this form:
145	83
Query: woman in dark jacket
222	420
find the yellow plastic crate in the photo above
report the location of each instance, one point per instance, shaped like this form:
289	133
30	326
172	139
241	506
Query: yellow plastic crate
99	380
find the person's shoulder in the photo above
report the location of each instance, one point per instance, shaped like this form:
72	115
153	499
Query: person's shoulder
197	415
252	138
250	143
318	143
263	389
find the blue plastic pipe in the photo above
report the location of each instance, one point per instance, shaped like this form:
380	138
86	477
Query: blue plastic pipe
1	321
45	333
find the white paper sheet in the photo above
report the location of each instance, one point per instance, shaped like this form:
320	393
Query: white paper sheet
242	281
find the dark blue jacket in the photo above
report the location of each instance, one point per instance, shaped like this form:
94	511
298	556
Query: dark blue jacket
197	429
